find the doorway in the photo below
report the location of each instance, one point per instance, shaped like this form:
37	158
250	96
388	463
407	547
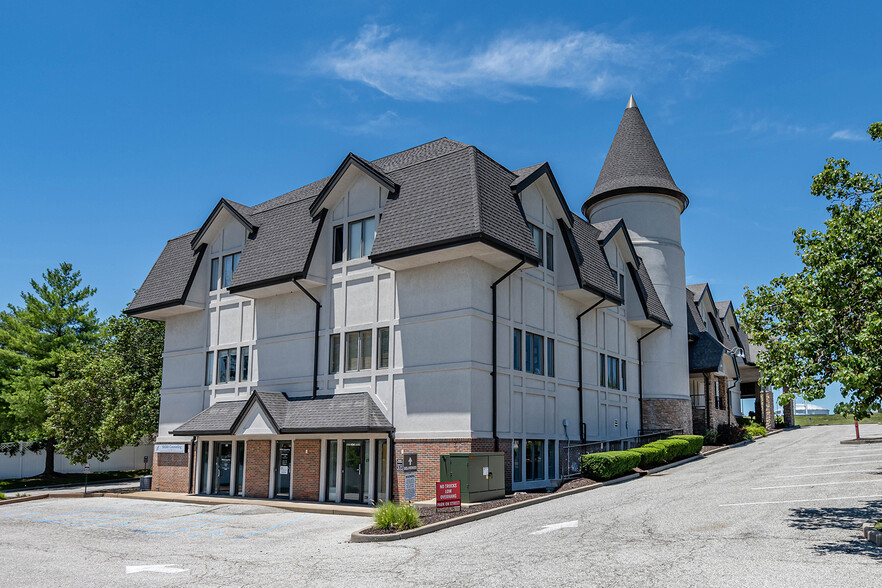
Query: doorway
223	463
353	470
283	469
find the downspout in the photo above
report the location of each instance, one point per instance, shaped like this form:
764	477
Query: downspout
729	389
192	464
315	352
493	372
707	403
582	427
640	372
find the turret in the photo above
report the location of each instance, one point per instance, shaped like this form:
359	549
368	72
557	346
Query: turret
634	184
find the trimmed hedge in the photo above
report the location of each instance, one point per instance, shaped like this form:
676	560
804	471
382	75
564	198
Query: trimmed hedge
663	448
603	466
696	442
677	448
650	456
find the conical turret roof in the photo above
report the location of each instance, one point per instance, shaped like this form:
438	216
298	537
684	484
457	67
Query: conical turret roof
633	164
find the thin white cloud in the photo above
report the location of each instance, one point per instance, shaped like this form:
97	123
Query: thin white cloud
508	66
374	125
848	135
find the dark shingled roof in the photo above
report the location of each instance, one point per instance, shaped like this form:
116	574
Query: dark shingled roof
169	280
633	164
652	304
355	413
705	354
589	261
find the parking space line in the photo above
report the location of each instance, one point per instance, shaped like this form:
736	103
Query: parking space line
829	473
195	514
273	527
848	452
818	484
827	465
803	500
119	516
840	457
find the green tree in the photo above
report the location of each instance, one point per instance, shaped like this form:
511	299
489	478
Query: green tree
109	393
54	318
823	325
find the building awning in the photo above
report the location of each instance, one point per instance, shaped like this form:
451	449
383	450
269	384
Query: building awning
337	413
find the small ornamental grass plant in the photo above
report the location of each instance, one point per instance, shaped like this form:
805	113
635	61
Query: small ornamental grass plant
394	516
2	496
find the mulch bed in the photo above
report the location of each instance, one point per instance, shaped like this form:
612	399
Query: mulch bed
429	514
707	448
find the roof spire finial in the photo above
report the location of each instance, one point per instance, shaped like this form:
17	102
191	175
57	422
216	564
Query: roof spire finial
631	102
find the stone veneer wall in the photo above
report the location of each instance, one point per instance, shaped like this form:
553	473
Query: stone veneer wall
257	468
765	409
429	452
171	472
306	462
667	413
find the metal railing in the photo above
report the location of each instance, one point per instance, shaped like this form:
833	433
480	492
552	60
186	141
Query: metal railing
570	453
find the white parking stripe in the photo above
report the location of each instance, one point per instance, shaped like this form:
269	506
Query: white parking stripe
827	465
829	473
832	458
803	500
849	452
818	484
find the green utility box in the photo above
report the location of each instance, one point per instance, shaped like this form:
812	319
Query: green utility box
481	475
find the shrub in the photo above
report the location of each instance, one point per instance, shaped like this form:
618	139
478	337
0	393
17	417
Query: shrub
878	526
2	496
650	456
696	442
779	421
710	438
662	448
756	430
677	448
396	516
743	421
603	466
729	434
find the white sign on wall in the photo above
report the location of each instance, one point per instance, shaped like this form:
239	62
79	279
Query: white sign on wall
409	486
170	448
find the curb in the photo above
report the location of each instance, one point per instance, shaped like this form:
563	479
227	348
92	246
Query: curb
215	501
861	441
667	466
23	499
724	448
77	485
871	534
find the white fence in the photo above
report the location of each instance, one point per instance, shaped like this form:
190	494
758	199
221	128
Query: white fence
29	463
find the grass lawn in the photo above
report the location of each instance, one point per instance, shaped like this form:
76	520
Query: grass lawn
834	419
59	479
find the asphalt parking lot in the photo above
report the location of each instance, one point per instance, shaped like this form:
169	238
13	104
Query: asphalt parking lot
784	511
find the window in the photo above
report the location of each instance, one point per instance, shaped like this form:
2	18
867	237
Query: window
215	275
358	351
516	360
382	347
516	460
334	354
612	372
549	251
622	285
552	460
361	237
226	366
624	367
535	355
209	368
602	370
338	244
243	377
537	240
696	391
535	459
550	357
231	262
718	400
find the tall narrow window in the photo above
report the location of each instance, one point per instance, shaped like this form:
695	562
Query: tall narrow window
215	275
516	352
552	460
358	351
382	347
549	251
366	351
550	356
230	263
516	460
351	352
537	240
232	374
209	368
244	368
226	366
361	237
334	354
622	285
624	375
612	372
338	244
535	354
602	370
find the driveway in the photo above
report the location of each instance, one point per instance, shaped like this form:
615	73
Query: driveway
784	511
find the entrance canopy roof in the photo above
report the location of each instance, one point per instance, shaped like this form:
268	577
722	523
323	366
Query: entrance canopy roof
337	413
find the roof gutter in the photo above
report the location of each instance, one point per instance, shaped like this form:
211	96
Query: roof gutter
315	351
495	346
583	433
640	369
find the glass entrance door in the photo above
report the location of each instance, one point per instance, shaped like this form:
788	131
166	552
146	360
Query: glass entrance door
240	467
223	463
283	469
353	471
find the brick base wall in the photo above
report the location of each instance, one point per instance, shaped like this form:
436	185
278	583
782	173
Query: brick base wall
667	413
765	409
171	472
257	468
306	469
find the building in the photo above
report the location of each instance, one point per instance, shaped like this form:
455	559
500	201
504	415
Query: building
805	409
427	302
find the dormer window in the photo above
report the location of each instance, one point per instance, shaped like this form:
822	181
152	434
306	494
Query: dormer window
538	241
361	239
222	269
544	243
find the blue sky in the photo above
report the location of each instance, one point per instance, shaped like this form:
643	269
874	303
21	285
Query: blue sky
122	123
